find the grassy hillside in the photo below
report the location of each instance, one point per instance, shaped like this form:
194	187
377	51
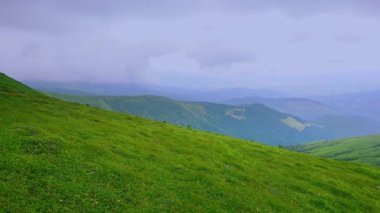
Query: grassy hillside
358	149
253	122
60	156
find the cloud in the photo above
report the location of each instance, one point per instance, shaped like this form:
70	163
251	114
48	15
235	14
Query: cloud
299	37
81	58
213	55
302	8
57	15
349	38
337	61
129	40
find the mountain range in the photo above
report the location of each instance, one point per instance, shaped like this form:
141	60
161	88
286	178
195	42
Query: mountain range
252	122
301	107
131	89
365	104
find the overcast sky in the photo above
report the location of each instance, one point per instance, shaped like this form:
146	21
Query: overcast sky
308	45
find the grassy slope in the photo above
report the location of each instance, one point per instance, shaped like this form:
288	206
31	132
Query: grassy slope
357	149
56	155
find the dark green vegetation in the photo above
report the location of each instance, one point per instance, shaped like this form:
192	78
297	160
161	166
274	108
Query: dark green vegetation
62	156
358	149
253	122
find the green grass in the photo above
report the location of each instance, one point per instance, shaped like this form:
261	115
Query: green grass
66	157
358	149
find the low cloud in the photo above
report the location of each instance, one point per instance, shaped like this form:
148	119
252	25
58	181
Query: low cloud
129	40
217	55
76	59
349	38
299	38
58	15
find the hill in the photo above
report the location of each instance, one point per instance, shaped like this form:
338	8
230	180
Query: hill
348	126
133	89
61	156
365	104
301	107
252	122
358	149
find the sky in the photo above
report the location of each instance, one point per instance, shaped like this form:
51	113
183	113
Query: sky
306	46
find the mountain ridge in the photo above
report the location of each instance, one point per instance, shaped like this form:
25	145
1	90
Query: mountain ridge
365	104
253	122
302	107
216	95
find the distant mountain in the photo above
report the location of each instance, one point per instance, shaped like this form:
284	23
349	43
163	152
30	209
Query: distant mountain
358	149
361	103
221	95
347	126
301	107
80	88
253	122
130	89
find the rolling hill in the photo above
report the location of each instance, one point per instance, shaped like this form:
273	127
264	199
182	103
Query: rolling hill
358	149
252	122
61	156
301	107
365	104
133	89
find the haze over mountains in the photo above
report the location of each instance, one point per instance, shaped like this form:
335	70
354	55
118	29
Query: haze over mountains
364	104
119	89
360	103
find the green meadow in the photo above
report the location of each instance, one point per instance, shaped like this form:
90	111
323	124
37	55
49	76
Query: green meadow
357	149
